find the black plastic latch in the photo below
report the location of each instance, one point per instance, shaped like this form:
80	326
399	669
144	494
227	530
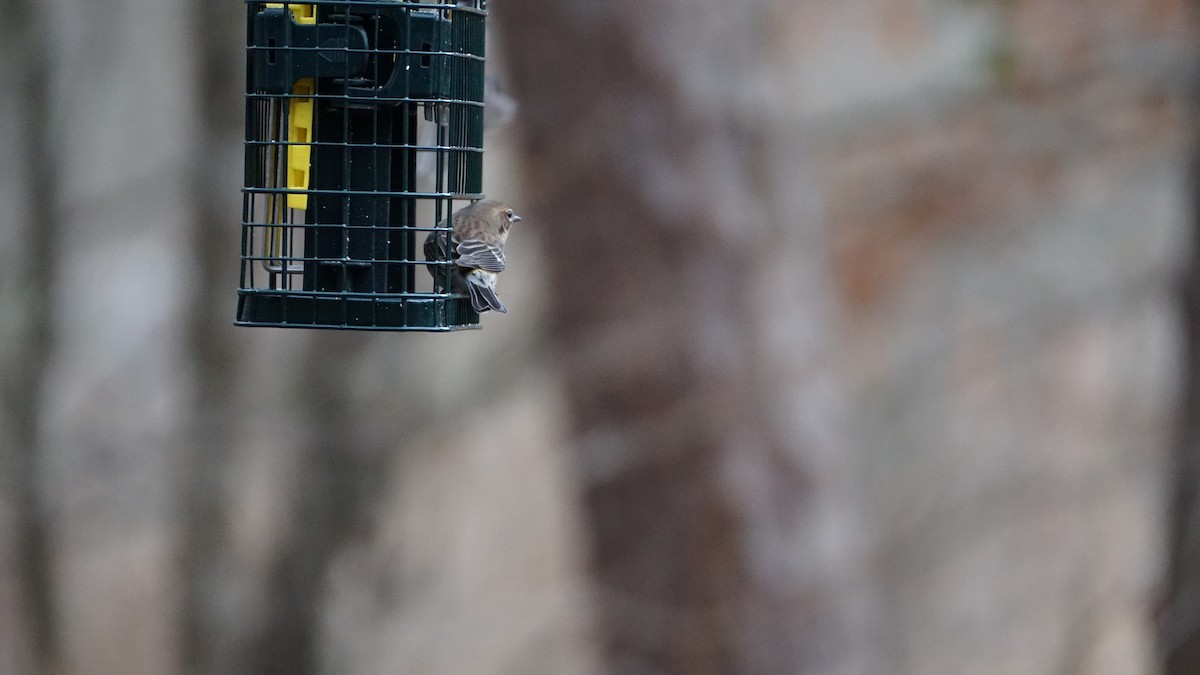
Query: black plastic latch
285	51
421	67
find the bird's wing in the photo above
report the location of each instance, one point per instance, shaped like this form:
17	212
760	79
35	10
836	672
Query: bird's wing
435	246
435	251
475	254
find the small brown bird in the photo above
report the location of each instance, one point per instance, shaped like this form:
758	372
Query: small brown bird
478	235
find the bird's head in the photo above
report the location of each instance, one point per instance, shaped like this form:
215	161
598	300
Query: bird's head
502	214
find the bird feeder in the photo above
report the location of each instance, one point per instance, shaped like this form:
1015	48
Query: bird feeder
364	132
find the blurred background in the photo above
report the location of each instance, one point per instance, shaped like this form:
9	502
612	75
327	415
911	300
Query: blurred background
851	337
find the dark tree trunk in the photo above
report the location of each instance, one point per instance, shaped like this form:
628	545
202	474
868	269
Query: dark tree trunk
672	255
1180	611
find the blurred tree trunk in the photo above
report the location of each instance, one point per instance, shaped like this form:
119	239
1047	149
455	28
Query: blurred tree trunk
1180	612
211	642
691	321
28	230
339	465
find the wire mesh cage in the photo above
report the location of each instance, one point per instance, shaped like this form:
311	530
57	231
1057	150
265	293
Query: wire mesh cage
364	132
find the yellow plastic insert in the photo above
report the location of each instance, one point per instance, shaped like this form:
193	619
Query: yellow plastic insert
300	121
300	130
301	13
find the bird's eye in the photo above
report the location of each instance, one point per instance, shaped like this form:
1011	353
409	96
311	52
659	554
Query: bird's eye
508	213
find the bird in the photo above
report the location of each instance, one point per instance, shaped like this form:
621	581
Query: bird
478	233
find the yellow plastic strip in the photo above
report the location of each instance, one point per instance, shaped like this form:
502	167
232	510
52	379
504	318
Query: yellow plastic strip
300	131
301	13
300	121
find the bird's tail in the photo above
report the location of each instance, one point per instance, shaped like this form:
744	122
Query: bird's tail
483	296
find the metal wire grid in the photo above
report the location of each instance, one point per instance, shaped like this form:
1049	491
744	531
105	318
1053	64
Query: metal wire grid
364	126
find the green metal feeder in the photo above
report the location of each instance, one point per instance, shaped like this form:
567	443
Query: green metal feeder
364	131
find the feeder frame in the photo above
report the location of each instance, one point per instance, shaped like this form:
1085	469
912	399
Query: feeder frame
364	132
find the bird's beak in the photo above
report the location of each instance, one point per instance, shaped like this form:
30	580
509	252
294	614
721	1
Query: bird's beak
516	218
